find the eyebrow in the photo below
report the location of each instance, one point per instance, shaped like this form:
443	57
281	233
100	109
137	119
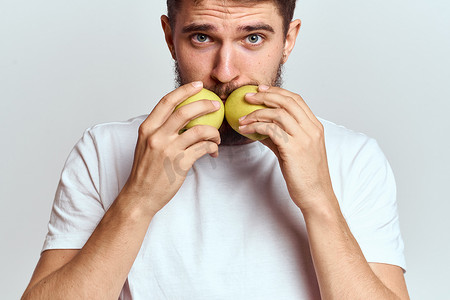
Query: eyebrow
198	27
194	27
256	27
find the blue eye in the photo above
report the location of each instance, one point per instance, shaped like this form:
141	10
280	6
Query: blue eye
254	39
201	38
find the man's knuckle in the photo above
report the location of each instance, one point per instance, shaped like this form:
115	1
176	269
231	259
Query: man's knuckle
211	132
145	129
180	114
318	133
142	131
298	98
280	114
200	147
255	115
197	130
166	100
321	128
171	99
155	143
217	137
213	147
208	147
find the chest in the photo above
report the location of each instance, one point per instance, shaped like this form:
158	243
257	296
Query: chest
234	235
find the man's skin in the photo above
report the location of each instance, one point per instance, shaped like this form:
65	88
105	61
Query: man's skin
221	45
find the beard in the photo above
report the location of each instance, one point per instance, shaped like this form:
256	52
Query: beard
228	136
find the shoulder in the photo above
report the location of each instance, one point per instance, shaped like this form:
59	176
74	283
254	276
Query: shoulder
116	129
351	152
340	136
342	141
108	139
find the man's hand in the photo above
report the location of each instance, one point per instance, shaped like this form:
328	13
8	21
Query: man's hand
297	139
163	157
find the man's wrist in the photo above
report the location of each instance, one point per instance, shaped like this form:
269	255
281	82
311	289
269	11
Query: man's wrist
134	206
323	208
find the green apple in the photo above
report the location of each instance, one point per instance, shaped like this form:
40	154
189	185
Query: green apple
214	118
236	107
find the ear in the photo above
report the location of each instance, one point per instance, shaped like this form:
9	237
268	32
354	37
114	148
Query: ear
291	37
168	35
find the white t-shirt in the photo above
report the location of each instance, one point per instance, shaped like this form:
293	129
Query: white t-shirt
231	231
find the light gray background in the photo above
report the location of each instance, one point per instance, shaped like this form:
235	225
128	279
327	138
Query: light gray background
379	67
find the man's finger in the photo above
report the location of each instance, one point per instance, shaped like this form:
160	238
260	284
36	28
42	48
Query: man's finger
297	98
278	100
197	134
167	104
278	116
178	119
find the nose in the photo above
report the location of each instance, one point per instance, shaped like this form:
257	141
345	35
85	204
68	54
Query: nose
225	68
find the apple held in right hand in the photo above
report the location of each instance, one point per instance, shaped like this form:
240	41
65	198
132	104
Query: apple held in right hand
214	119
236	107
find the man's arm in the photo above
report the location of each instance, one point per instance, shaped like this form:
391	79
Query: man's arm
50	261
297	139
392	277
341	269
101	267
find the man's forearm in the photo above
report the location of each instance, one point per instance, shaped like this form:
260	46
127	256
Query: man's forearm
101	267
341	269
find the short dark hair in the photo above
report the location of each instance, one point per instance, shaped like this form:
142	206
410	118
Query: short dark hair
285	8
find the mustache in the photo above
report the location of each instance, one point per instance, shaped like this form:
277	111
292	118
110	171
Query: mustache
224	90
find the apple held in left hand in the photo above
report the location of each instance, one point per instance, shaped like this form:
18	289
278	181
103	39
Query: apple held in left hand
297	139
236	107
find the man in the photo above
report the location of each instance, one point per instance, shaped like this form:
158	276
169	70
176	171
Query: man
255	220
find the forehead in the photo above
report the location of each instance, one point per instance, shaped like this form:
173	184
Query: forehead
227	13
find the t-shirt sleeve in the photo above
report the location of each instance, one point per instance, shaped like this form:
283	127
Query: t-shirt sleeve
371	206
77	208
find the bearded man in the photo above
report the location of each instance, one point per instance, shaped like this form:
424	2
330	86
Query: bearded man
307	213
